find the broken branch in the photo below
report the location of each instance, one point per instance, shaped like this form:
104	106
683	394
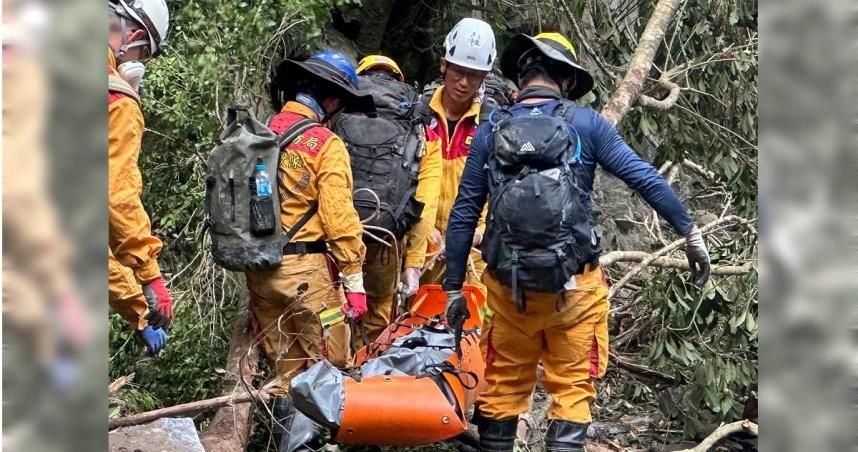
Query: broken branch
668	262
674	245
185	409
723	432
662	104
117	384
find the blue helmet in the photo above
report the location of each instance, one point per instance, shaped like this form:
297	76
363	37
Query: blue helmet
339	61
333	69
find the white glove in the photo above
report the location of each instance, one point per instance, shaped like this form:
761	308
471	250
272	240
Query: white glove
478	238
698	256
410	281
353	283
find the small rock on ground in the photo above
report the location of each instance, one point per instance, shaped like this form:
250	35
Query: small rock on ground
163	435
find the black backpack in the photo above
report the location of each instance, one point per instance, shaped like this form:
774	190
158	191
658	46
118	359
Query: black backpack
385	152
539	231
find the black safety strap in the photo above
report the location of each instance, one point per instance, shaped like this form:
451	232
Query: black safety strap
486	110
294	130
517	296
314	207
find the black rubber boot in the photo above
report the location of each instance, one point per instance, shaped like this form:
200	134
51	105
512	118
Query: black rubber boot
294	431
496	435
565	436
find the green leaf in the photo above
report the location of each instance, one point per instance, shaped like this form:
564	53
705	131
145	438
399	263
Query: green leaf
726	406
750	323
729	373
734	17
736	321
671	349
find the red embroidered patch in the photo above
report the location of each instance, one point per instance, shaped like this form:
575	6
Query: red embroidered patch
310	142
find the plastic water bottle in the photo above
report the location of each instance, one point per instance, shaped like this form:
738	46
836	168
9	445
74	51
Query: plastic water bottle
263	182
261	202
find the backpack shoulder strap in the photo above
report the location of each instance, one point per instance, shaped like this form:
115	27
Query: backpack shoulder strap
116	84
566	110
487	107
294	130
314	207
289	135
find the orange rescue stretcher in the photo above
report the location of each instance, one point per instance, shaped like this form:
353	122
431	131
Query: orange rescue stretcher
407	388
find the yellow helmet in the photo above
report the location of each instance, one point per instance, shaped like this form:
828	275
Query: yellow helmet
379	61
559	39
552	46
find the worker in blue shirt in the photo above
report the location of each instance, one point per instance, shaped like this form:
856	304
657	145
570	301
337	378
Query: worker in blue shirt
547	291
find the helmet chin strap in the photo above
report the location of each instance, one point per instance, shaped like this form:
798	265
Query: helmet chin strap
126	46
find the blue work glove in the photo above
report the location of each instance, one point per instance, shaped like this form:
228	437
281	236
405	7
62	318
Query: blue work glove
155	339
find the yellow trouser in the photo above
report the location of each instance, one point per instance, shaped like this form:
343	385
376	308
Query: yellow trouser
285	303
435	275
125	295
380	278
568	332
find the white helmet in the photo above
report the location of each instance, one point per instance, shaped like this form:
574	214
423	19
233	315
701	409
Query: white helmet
152	15
471	44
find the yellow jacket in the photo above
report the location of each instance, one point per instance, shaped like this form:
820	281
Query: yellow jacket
130	232
454	152
428	189
315	167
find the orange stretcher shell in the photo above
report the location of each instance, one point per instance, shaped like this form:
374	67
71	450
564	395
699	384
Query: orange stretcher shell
401	410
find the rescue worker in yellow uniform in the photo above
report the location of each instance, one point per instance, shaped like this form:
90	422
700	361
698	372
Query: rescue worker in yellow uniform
137	289
43	315
382	265
535	163
456	110
315	186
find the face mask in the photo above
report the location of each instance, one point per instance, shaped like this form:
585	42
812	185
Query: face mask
132	72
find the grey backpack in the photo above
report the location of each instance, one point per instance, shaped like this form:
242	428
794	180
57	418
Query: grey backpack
245	228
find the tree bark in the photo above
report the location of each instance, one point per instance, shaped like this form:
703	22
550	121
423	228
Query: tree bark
668	262
723	432
661	104
232	425
373	23
630	88
185	409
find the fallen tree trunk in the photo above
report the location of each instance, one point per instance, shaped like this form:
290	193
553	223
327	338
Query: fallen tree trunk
630	88
232	425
